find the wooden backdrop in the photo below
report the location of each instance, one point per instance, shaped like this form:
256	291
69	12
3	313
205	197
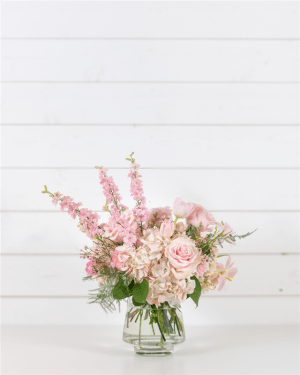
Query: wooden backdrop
205	93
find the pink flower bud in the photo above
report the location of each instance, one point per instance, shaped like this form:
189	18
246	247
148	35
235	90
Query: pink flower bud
182	209
167	229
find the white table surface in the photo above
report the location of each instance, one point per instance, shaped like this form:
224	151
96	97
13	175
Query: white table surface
100	350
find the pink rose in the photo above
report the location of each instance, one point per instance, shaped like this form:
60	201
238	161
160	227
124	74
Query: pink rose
183	257
200	215
182	209
167	229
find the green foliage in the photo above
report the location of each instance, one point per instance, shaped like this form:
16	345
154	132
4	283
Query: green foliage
191	232
197	291
241	236
137	303
131	158
140	292
121	290
103	296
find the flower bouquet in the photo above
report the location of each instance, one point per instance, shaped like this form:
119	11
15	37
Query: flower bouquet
151	258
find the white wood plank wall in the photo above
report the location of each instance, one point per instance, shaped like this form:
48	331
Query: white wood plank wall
206	94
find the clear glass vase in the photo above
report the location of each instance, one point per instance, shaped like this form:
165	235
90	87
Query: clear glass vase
153	331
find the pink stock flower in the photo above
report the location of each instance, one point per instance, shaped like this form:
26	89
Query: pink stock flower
200	216
183	257
227	272
167	229
182	209
89	269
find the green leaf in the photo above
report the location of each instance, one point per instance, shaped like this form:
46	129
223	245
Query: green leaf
131	285
120	290
222	255
140	291
197	291
137	303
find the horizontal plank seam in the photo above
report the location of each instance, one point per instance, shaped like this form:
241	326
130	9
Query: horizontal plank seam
157	168
205	296
158	82
77	254
233	211
145	125
292	39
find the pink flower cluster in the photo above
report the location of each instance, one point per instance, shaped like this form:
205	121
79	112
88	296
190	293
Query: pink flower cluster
153	244
136	189
89	269
88	219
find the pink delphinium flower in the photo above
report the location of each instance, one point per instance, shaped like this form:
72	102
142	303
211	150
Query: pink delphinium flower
227	272
202	216
167	229
202	268
119	256
181	209
111	192
56	198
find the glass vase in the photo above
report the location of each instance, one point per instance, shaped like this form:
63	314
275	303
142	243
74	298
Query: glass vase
153	330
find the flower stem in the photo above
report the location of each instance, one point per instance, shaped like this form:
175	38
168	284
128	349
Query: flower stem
141	314
177	326
162	335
